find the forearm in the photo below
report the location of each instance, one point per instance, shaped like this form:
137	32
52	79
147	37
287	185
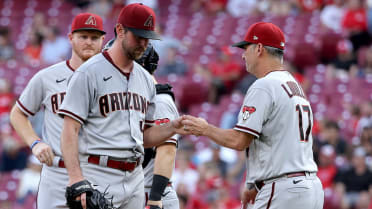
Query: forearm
22	126
70	150
155	135
226	137
164	160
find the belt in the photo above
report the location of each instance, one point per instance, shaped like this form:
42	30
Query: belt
121	165
260	184
61	164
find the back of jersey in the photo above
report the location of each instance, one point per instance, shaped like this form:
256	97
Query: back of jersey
281	117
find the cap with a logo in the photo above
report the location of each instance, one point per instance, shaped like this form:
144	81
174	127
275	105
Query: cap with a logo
265	33
139	19
87	21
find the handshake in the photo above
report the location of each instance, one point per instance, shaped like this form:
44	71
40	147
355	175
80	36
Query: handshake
190	125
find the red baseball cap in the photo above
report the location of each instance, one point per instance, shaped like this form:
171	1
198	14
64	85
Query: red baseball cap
139	19
87	21
265	33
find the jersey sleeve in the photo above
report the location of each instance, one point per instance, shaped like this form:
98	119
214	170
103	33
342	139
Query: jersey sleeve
166	111
79	97
150	114
254	111
31	98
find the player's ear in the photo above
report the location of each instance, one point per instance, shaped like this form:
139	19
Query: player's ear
119	30
259	49
70	36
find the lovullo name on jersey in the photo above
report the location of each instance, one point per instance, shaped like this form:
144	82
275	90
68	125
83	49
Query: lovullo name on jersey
56	100
293	89
122	101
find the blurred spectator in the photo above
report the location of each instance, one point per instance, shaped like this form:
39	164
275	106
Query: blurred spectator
354	23
29	180
55	48
167	42
310	5
172	65
216	160
211	7
354	180
367	69
6	97
239	8
117	5
100	7
366	119
33	48
326	167
345	56
280	8
39	25
331	135
12	157
6	103
184	174
332	14
6	47
221	75
243	85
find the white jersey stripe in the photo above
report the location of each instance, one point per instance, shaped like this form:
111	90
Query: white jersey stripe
24	109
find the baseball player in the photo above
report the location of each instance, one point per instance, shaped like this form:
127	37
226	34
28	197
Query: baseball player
108	112
159	161
46	90
275	122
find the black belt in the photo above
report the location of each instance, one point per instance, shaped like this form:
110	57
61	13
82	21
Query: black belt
260	184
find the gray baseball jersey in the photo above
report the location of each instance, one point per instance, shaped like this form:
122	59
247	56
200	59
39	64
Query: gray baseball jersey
47	89
113	107
277	113
166	111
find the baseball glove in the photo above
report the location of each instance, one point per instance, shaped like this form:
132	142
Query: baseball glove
149	59
94	198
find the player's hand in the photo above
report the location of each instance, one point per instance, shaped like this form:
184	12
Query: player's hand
178	126
154	203
195	126
43	153
248	196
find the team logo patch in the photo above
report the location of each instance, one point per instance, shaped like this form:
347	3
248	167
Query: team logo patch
247	111
162	121
91	21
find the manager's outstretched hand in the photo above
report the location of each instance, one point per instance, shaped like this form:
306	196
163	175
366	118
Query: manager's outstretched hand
194	125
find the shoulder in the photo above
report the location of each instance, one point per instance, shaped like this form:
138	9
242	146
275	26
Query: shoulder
51	70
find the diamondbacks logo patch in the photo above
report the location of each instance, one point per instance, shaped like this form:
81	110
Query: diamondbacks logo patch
149	22
162	121
91	21
247	111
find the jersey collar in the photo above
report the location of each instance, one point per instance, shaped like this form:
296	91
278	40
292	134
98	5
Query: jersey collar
107	56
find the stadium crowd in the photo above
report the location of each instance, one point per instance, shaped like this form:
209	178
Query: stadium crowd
334	66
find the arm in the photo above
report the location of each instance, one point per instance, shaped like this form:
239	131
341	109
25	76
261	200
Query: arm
70	149
225	137
164	164
155	135
42	151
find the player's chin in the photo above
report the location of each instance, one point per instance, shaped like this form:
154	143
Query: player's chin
87	54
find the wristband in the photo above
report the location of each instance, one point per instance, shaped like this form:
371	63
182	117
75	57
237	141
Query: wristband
158	186
35	143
